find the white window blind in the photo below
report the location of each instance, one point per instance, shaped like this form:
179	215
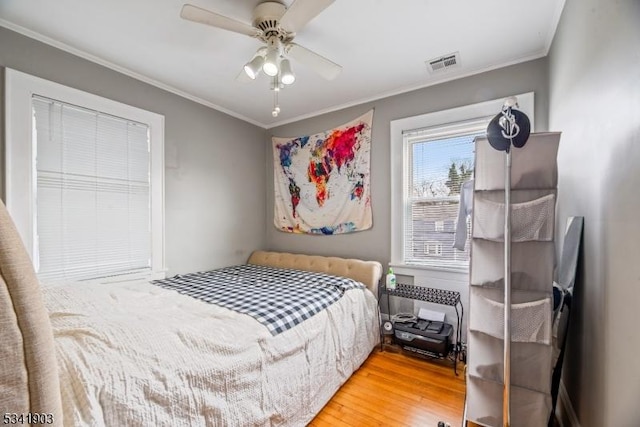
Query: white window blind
440	160
93	212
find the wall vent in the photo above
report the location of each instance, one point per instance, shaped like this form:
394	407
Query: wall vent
443	63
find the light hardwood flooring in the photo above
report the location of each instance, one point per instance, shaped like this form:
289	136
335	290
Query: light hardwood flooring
394	389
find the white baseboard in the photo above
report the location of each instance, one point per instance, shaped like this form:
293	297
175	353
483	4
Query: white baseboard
564	411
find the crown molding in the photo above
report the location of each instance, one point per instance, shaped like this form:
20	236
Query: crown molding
539	54
123	70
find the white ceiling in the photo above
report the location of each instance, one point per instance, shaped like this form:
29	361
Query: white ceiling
381	44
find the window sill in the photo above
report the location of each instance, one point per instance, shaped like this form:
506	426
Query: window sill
123	278
409	268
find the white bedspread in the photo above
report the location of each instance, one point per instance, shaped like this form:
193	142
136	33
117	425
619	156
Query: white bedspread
145	356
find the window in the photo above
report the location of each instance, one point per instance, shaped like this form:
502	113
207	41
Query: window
440	160
433	249
94	177
432	155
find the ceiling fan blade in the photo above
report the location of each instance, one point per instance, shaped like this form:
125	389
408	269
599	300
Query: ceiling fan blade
318	63
301	12
203	16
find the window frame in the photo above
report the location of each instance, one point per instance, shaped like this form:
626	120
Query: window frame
449	120
20	157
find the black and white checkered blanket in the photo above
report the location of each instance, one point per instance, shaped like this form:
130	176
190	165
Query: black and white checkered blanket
276	297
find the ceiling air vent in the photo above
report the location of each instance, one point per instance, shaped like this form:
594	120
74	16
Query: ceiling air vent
442	63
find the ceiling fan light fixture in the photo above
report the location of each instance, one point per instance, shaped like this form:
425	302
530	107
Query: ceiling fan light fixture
270	66
275	25
286	73
253	67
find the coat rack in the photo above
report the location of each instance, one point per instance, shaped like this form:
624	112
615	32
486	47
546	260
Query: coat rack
502	131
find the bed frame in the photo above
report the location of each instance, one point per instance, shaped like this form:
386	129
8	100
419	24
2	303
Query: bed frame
28	375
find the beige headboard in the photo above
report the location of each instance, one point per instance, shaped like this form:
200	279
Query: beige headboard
28	368
367	272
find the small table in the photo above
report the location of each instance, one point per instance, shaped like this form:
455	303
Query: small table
433	295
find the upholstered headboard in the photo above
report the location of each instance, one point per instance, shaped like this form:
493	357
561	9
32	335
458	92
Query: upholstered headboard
367	272
28	368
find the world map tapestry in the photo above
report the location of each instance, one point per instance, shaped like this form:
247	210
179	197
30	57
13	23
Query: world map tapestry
322	181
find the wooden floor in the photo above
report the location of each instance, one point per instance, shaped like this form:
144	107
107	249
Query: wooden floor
394	389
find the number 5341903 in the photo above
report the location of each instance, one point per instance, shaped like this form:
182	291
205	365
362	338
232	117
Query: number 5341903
27	418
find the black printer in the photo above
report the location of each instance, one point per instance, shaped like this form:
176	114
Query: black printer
424	336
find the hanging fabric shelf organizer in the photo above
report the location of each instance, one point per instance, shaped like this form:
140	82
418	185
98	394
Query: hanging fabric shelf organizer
530	221
532	254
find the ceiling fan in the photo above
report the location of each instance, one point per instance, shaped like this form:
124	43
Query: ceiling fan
276	26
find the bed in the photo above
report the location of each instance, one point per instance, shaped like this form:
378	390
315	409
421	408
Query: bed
140	354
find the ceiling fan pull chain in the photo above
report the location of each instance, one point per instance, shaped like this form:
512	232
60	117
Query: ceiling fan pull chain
276	88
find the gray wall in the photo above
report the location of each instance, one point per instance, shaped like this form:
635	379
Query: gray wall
375	243
594	74
214	213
